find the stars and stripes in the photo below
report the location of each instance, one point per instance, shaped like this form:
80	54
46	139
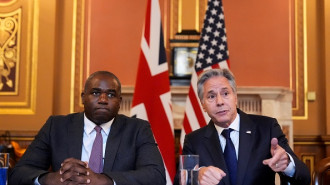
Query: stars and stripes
152	96
212	53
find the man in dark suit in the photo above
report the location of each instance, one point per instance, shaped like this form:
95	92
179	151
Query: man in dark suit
61	152
260	148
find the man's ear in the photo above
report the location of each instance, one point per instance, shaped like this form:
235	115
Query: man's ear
82	95
203	106
120	99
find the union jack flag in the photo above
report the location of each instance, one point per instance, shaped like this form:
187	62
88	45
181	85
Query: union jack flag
212	53
152	96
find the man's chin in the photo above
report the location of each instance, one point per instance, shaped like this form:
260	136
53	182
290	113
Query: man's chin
99	120
224	123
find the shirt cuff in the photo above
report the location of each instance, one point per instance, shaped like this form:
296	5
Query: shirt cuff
291	169
36	181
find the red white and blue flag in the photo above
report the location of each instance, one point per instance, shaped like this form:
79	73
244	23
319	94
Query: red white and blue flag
152	96
212	53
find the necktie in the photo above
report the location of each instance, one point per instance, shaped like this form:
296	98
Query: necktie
230	156
96	158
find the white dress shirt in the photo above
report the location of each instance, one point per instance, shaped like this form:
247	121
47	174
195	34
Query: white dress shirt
89	137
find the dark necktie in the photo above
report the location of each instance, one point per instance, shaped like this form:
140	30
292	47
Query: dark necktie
96	158
230	156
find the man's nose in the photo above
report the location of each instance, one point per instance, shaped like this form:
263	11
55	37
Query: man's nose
219	99
103	98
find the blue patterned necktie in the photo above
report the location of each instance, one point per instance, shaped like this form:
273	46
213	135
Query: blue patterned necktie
230	156
96	158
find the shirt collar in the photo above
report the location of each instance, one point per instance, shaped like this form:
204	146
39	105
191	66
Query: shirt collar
89	125
234	125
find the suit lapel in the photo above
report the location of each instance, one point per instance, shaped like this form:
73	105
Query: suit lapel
212	144
75	135
246	140
113	142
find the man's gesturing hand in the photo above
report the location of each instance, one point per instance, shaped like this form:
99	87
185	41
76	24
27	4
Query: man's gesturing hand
280	159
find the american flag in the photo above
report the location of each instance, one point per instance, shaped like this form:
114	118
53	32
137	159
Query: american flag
212	53
152	96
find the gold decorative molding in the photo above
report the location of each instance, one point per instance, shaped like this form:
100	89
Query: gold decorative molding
309	160
184	44
18	53
77	68
312	140
8	2
299	86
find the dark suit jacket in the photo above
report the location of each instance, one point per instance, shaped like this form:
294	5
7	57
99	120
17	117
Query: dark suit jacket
253	149
131	156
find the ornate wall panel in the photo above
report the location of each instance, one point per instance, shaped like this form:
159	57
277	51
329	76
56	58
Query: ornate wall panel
10	24
18	35
311	149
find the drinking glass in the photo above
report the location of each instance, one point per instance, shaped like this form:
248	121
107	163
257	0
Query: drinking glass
4	164
189	165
